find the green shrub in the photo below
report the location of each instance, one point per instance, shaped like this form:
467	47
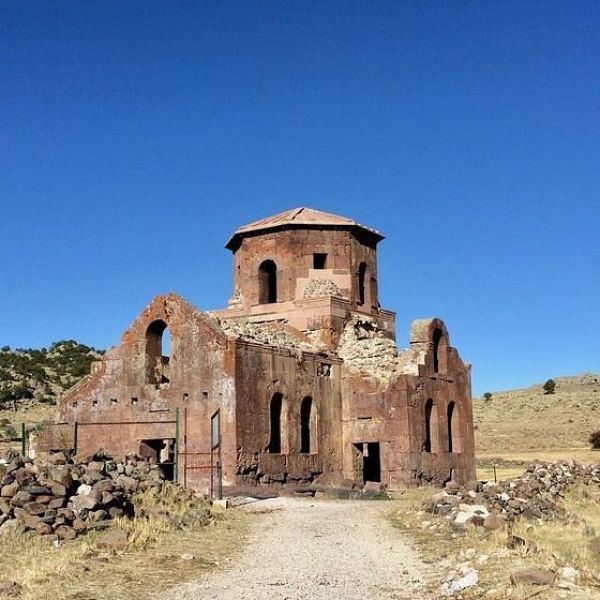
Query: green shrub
594	440
549	386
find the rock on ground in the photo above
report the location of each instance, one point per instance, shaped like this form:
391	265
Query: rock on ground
307	549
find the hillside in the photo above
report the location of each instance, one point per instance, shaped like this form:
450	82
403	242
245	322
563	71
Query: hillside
530	423
29	376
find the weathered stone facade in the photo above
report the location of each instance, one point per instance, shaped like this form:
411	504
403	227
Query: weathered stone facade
301	367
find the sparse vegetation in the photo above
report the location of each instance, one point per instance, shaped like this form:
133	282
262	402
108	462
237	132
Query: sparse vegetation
549	386
573	544
159	552
487	396
42	374
518	426
7	430
548	544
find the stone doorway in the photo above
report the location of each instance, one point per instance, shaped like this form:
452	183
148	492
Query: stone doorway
367	462
162	452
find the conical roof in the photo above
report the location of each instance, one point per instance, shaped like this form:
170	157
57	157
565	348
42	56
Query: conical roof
298	218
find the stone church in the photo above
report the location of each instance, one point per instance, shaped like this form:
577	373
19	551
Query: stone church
298	383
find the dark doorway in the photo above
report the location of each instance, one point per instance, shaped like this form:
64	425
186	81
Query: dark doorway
267	282
371	464
160	451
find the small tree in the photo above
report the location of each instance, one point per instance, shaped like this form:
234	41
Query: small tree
549	386
594	440
487	396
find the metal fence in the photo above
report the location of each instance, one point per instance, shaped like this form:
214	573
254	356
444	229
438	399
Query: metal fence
66	437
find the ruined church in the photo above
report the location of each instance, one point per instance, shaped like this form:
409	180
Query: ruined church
297	383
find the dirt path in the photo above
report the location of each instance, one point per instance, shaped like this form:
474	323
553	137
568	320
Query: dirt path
307	549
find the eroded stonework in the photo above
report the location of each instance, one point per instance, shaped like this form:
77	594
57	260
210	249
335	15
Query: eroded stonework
297	383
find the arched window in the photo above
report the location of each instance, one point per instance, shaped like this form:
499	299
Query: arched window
306	425
428	416
437	336
276	431
450	435
158	350
362	274
267	282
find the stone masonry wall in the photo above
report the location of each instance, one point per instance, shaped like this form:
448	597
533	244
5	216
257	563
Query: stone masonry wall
263	372
116	407
292	251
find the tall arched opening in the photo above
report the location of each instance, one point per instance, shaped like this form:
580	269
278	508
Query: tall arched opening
276	417
158	350
307	433
362	275
267	282
437	336
453	428
427	442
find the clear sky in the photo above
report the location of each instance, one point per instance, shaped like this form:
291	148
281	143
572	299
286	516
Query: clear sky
136	136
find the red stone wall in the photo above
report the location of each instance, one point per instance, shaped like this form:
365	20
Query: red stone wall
394	415
263	372
116	408
134	394
292	251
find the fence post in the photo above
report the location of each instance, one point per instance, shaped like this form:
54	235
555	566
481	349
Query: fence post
23	439
212	475
220	479
75	428
175	458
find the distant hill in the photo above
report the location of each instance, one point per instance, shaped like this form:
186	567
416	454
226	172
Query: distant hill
529	419
31	376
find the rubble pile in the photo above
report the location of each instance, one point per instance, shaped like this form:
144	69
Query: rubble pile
367	349
270	335
535	495
60	497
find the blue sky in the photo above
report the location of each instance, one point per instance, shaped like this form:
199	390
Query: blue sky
136	136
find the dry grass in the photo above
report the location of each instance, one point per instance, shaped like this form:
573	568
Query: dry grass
445	550
512	464
31	415
528	422
570	544
152	561
442	549
517	427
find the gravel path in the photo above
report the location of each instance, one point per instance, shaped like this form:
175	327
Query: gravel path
325	549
